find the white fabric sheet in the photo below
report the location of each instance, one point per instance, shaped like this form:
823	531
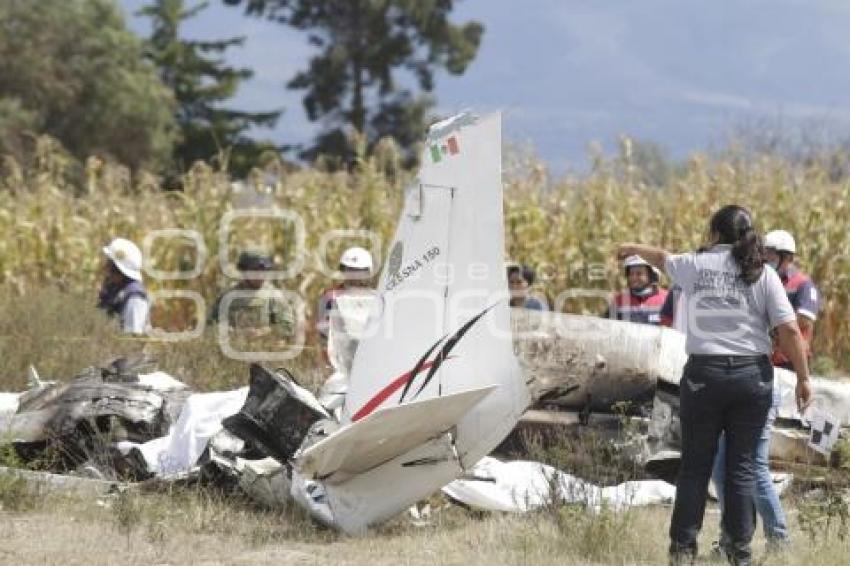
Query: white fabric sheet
8	407
161	381
187	439
521	486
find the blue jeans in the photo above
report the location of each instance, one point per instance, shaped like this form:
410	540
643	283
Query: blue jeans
720	394
767	501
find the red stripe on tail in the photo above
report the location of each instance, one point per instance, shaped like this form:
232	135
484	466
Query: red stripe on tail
385	393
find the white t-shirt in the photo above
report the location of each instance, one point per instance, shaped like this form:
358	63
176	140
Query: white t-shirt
134	318
721	313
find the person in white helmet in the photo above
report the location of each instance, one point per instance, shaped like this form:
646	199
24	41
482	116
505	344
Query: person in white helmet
780	250
643	299
337	340
122	293
355	265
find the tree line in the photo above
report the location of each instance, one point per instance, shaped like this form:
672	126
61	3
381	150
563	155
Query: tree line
73	70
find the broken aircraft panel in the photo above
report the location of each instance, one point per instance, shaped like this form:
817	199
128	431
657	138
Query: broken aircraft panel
83	419
574	362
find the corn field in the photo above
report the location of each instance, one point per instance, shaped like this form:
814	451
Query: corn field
55	215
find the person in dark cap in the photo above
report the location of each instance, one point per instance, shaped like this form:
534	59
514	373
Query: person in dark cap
252	304
254	260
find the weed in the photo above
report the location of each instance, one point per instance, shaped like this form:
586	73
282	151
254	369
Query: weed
603	453
596	535
9	457
599	455
157	528
841	454
15	493
127	513
825	513
262	533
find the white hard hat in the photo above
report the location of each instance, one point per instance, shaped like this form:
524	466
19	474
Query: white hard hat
635	261
126	256
781	241
356	258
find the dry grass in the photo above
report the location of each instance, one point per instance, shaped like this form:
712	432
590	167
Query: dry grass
203	526
198	528
61	333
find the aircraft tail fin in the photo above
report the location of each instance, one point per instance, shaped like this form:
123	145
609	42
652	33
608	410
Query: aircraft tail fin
385	434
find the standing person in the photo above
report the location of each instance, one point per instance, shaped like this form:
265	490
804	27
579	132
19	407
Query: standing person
254	306
122	293
355	265
767	502
732	302
780	249
671	310
520	280
338	334
644	298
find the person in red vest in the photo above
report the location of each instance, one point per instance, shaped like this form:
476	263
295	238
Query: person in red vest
644	298
780	249
672	308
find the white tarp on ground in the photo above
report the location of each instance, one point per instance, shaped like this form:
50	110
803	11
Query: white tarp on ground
187	439
521	486
161	381
8	407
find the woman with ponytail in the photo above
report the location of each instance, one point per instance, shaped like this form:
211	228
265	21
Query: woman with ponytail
731	304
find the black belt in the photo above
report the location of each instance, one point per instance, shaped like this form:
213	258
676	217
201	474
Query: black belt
728	359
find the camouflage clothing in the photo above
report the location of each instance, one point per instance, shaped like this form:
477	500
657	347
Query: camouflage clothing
256	312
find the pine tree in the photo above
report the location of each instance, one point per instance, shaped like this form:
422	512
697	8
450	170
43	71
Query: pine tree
202	83
72	69
351	83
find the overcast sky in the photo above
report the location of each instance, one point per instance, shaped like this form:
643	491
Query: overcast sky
566	73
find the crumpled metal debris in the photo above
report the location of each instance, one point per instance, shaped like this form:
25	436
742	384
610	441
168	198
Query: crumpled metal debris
276	415
248	439
79	423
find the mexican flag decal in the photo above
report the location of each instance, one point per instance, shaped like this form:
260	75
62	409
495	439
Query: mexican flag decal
447	148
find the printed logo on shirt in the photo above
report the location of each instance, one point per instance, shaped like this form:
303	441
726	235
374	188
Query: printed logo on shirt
721	290
721	281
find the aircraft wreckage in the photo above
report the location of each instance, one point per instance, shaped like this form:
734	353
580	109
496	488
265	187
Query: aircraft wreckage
432	373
